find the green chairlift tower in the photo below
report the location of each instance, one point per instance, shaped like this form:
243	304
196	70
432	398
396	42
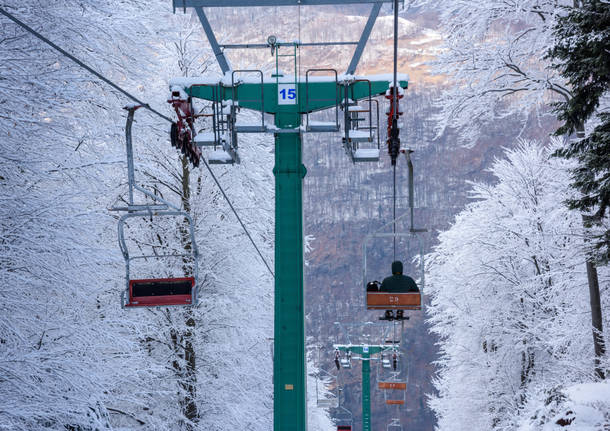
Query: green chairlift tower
387	355
365	353
288	98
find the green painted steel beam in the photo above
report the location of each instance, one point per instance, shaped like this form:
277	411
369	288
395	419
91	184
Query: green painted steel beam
289	413
366	392
364	349
313	96
289	359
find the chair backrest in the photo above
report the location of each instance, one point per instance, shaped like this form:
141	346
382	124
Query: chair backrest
160	291
393	385
393	301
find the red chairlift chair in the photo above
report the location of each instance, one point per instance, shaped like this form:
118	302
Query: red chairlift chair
154	291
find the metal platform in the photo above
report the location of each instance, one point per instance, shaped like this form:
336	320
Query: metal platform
360	136
220	157
366	155
322	126
205	139
250	128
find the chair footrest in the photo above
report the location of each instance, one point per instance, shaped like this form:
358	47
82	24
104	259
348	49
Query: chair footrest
360	136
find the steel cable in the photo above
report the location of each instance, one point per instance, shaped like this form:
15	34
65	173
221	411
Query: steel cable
395	117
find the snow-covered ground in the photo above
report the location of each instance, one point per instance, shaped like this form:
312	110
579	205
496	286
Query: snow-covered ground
581	407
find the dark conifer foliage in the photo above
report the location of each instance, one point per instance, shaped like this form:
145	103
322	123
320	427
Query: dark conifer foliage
583	53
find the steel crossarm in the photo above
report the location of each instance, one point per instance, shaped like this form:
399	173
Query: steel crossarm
224	64
248	93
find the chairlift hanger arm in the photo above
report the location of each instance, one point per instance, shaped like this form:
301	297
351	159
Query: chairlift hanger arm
152	292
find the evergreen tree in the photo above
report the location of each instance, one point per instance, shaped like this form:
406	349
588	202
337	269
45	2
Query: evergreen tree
582	50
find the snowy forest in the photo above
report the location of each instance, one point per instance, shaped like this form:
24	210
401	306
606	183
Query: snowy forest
507	111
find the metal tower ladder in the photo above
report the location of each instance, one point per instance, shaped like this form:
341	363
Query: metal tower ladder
357	138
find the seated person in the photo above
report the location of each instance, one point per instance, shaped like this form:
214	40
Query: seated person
398	283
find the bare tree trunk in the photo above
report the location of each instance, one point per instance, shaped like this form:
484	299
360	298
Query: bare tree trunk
190	384
185	363
184	367
599	345
190	378
596	318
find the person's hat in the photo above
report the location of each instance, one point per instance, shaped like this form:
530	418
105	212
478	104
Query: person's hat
397	267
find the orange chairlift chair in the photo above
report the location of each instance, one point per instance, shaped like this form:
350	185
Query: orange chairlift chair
389	301
380	300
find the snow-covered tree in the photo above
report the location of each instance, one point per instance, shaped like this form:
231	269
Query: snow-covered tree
62	359
507	284
493	56
69	356
581	407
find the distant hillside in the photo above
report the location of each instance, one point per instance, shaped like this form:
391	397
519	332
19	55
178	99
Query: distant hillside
418	40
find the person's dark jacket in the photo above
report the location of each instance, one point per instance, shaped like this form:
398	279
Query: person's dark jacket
397	282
